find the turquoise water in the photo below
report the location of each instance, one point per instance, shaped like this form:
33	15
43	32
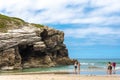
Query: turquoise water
88	67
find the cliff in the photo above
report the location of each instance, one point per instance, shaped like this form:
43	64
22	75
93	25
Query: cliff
25	45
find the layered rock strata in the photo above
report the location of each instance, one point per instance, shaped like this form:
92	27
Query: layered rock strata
29	46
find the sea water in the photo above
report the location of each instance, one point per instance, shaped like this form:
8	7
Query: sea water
88	67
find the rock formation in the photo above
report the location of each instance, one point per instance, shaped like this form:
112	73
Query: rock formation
29	46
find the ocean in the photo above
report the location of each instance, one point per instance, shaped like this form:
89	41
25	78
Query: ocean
88	67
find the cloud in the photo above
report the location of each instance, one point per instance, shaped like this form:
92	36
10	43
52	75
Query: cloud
62	11
94	35
85	32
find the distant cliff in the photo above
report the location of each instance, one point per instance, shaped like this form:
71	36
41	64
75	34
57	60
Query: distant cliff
26	45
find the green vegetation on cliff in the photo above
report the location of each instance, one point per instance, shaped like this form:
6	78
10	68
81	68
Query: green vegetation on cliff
37	25
7	23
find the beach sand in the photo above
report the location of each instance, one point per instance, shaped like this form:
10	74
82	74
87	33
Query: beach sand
57	77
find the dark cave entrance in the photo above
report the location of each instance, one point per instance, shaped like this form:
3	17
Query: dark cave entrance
26	52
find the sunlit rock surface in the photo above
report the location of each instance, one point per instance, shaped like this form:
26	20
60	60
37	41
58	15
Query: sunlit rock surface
29	46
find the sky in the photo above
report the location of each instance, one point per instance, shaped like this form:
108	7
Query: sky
91	27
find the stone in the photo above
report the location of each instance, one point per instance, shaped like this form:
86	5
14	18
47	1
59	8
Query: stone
28	47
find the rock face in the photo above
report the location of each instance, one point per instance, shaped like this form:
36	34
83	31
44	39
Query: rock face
29	46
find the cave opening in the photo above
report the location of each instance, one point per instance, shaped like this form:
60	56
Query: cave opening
26	52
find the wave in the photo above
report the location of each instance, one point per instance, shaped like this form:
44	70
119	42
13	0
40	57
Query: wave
117	68
87	64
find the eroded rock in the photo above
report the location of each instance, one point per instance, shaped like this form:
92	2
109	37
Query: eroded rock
32	47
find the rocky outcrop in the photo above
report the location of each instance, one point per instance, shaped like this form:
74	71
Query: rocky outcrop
29	46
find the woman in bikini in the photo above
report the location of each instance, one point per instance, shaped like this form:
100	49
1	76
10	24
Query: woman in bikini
109	68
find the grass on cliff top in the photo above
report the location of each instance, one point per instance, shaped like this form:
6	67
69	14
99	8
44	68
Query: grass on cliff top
37	25
3	20
7	22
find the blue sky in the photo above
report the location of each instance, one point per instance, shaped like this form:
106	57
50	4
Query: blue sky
91	27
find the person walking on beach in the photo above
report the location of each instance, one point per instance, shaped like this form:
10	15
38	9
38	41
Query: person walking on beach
75	66
109	68
78	67
114	66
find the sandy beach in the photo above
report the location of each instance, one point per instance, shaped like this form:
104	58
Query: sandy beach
57	77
